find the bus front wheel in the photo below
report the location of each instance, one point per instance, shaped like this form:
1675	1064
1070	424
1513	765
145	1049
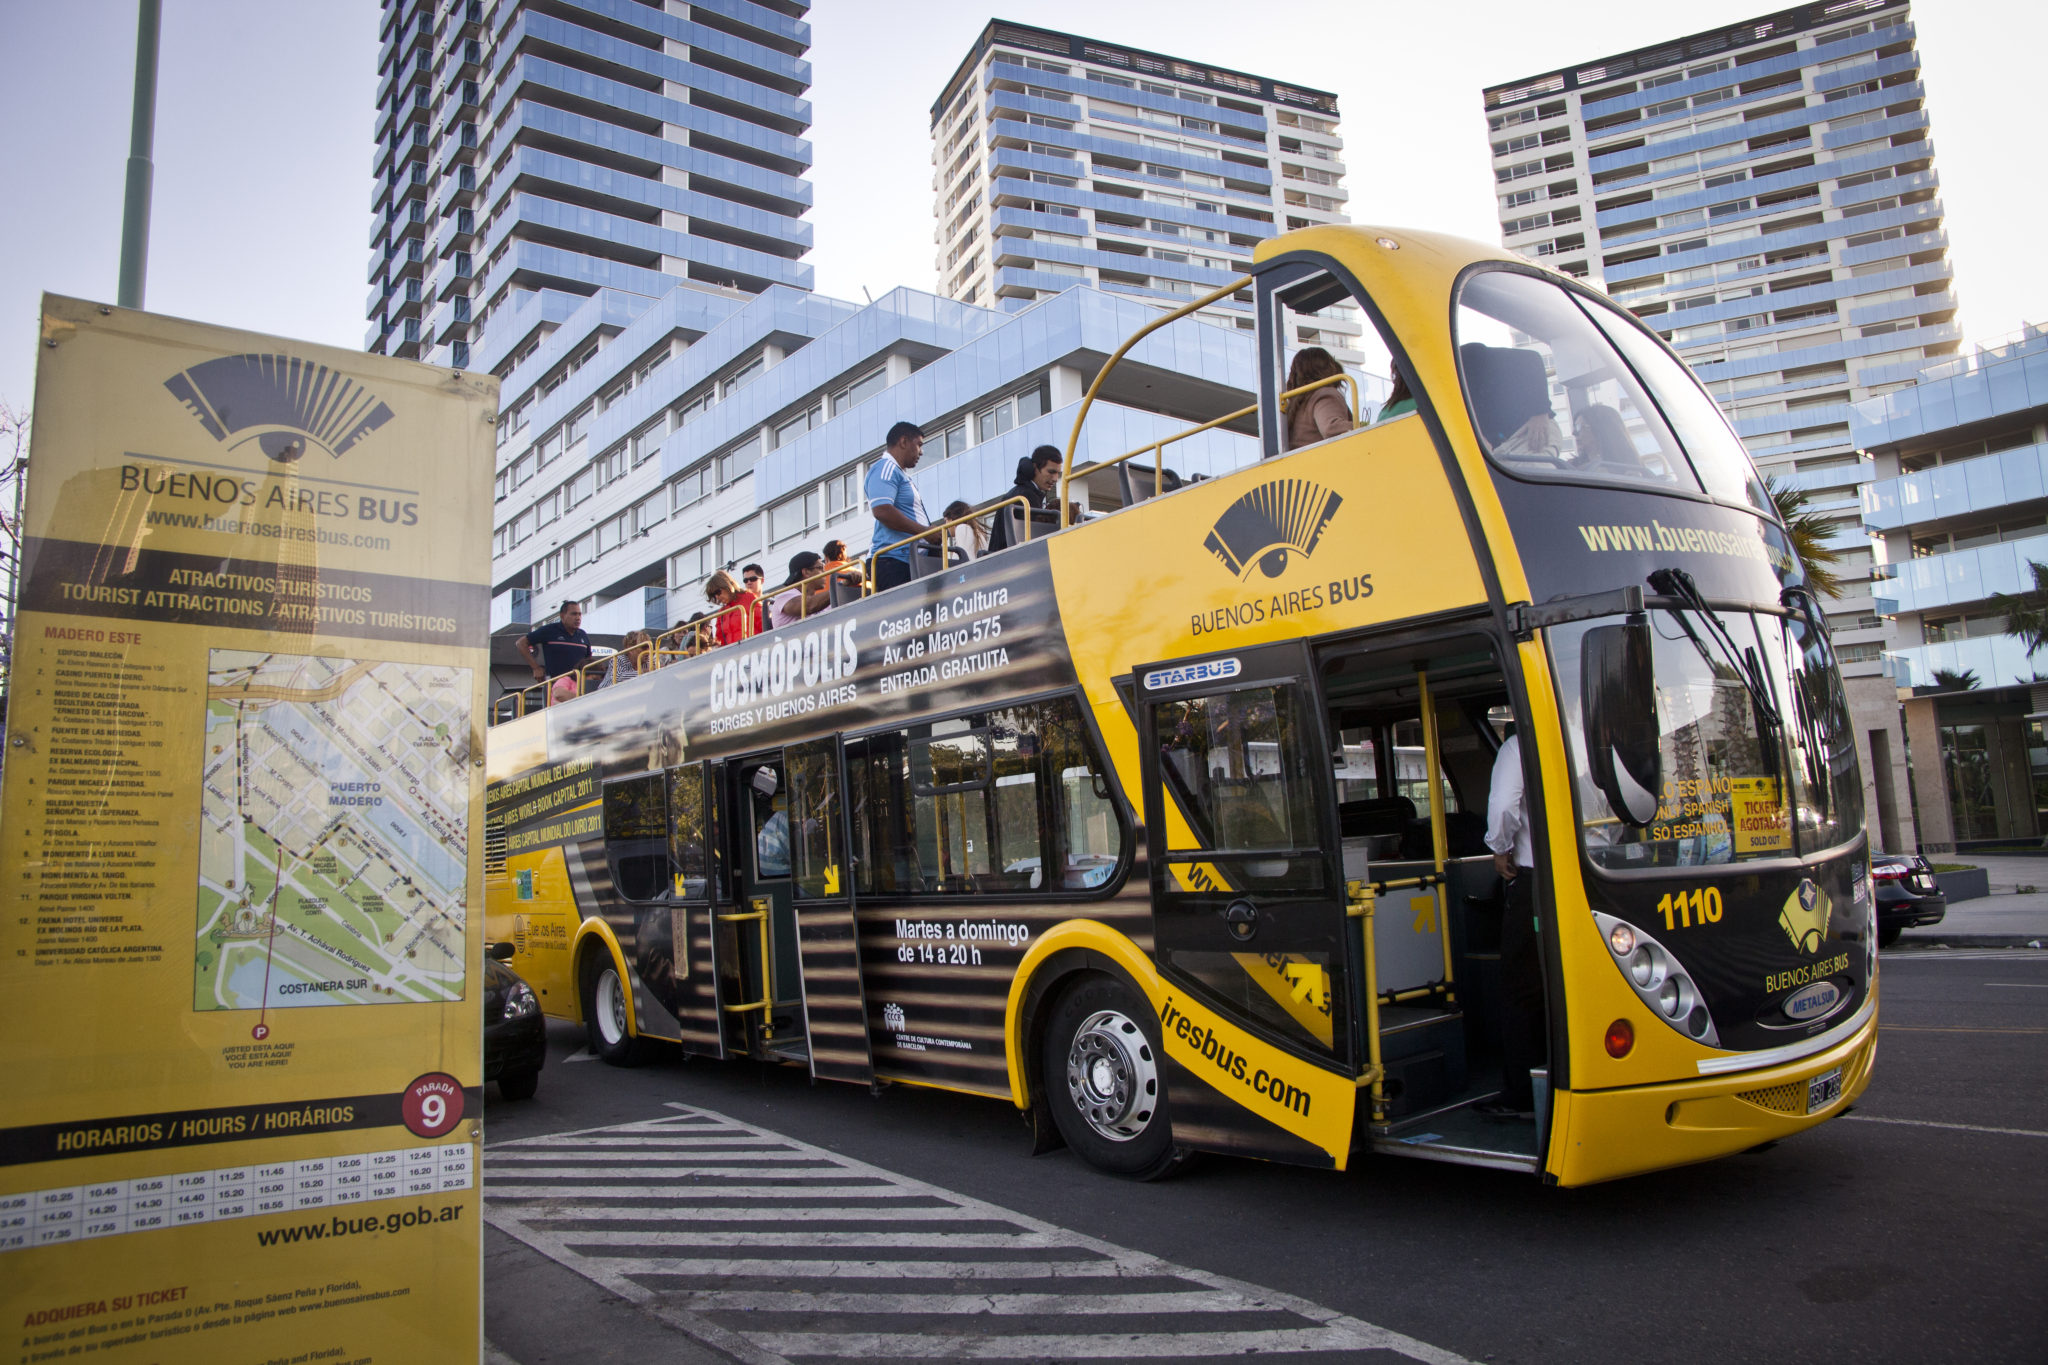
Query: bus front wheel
1102	1077
604	1012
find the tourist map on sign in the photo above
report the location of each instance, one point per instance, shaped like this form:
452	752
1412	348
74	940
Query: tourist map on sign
333	856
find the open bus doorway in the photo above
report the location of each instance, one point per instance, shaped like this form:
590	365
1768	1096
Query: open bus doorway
762	985
1416	727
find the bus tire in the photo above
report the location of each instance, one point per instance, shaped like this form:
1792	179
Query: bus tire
1104	1082
604	1012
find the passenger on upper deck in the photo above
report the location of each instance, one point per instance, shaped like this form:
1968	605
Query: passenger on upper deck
967	541
1038	479
563	644
1321	413
792	603
754	579
739	612
1399	402
635	656
897	506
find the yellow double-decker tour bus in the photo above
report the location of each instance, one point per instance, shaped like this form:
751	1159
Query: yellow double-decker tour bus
1171	827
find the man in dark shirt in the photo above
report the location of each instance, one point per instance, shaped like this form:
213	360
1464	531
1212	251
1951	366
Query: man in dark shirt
563	645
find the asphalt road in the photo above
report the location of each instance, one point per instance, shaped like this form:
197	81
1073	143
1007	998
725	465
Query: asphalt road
1915	1228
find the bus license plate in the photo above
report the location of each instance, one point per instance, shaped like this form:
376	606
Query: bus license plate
1823	1090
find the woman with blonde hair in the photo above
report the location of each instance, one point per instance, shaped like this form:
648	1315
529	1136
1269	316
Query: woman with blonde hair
1320	413
737	618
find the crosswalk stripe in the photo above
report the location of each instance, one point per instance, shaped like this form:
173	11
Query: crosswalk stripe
758	1268
691	1235
1064	1346
804	1237
1002	1305
786	1191
729	1213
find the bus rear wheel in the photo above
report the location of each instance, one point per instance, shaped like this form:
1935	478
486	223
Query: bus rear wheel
1101	1069
604	1012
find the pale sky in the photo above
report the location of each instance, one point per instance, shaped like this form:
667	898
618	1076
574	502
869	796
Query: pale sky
261	215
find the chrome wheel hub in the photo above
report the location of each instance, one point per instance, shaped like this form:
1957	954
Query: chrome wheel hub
1113	1076
611	1008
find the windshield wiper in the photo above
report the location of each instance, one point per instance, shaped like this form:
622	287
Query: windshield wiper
1677	583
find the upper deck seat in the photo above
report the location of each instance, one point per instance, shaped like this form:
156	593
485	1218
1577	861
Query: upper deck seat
1507	386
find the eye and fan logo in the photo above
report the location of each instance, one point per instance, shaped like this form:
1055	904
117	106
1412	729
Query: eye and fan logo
1805	914
1273	521
284	404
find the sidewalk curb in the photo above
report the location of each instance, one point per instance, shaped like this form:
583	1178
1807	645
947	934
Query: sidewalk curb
1936	942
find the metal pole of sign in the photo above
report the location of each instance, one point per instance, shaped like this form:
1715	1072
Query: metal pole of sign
141	138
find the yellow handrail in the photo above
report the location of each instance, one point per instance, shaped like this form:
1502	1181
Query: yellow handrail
1088	400
1360	898
1432	759
674	643
1165	441
758	914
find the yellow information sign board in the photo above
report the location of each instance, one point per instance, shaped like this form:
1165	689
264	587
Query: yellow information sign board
241	963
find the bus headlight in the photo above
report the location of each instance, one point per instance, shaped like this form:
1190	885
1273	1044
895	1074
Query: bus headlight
1658	979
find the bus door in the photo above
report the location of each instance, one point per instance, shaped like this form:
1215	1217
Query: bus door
821	885
763	991
692	893
1240	823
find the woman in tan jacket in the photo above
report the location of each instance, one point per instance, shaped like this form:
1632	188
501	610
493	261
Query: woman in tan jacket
1321	413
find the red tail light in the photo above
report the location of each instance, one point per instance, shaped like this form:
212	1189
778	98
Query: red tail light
1621	1036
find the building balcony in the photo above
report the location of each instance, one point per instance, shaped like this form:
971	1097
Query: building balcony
512	612
1975	486
1994	660
1936	582
1989	383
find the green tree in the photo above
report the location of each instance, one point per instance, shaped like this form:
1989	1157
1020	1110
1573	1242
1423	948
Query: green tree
1948	680
2026	612
1808	531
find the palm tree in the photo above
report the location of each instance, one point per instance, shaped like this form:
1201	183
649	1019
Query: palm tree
1808	531
2026	612
1949	680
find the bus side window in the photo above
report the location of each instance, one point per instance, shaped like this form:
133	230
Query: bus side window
688	842
983	805
636	835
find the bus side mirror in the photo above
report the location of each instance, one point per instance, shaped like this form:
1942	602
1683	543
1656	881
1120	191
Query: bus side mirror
1617	692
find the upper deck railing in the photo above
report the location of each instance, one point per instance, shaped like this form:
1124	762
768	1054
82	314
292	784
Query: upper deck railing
844	583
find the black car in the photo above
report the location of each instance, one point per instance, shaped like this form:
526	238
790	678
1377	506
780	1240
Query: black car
1907	895
515	1035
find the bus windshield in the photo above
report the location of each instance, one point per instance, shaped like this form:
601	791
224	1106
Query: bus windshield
1733	790
1566	388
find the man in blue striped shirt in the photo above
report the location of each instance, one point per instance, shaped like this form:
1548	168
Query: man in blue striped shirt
894	501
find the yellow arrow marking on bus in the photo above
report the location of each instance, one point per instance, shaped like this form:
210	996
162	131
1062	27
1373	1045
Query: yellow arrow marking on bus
1425	914
832	879
1311	982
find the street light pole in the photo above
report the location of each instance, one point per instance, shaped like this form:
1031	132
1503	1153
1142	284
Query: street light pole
141	137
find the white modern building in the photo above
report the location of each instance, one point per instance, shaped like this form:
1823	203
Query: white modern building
1059	160
1764	195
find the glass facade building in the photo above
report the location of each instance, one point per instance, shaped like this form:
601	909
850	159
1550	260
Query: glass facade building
531	154
1059	160
1958	514
1764	195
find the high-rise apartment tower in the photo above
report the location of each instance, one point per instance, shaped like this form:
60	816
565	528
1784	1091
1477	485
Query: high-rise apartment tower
533	152
1059	160
1763	195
